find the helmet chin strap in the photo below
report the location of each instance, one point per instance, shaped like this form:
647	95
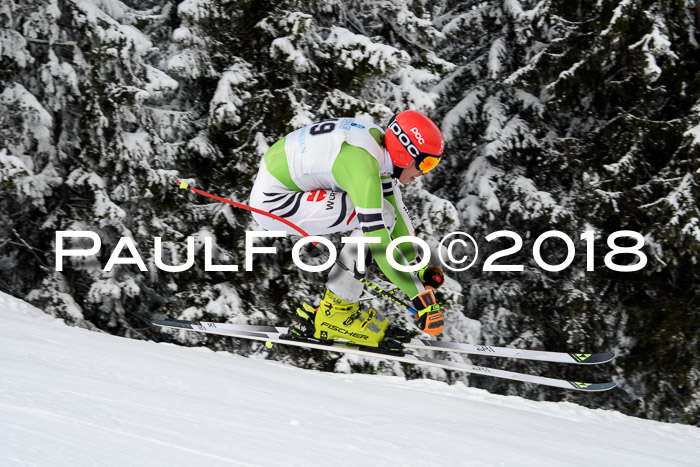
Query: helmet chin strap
397	172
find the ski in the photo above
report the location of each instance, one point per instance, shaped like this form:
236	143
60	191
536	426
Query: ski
277	335
539	355
446	346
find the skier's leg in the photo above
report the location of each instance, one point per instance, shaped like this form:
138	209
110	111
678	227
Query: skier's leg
340	302
341	282
321	212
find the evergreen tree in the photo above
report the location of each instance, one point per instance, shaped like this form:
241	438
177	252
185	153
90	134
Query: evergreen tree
633	93
93	157
576	117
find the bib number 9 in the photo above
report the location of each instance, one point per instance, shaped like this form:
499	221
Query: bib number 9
326	126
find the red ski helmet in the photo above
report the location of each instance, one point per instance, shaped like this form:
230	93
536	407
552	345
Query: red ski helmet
413	136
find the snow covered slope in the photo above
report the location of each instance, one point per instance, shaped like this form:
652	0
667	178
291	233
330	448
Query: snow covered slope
73	397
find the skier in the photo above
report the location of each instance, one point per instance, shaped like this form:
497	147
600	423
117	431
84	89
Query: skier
342	174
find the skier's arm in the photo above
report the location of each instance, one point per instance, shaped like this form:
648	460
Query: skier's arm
357	172
404	225
431	275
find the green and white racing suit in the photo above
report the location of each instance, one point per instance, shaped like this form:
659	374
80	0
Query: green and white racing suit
335	176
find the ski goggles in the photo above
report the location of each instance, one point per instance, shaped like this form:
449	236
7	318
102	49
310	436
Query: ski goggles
425	162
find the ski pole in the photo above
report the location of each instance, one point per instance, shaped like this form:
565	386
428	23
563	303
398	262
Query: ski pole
374	289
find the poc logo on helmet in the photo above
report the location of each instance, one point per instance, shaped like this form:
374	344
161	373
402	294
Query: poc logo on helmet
415	131
405	140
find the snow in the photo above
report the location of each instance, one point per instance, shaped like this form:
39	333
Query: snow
536	202
513	7
483	176
110	30
354	48
13	45
625	164
466	109
158	82
295	47
195	9
412	81
566	74
617	14
283	46
192	64
694	132
655	44
36	118
496	54
528	101
228	100
69	396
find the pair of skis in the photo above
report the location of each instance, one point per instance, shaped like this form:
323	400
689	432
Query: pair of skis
279	335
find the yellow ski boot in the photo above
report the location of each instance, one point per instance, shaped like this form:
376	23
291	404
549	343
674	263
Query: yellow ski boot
337	319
